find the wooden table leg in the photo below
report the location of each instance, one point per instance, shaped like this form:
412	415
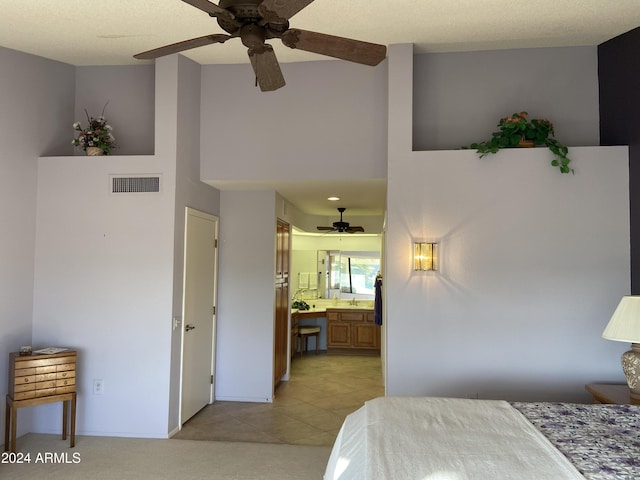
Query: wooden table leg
7	419
11	417
72	442
65	418
14	422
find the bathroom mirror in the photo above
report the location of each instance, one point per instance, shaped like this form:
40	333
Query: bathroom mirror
347	274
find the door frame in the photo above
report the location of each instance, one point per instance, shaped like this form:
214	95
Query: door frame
216	222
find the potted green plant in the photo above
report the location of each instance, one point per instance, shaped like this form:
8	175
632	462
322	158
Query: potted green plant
97	138
518	131
300	305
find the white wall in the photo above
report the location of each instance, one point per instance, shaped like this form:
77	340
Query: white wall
103	285
333	241
533	263
109	267
35	119
298	131
181	116
244	352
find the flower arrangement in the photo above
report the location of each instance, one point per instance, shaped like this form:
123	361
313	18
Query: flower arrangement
97	134
518	131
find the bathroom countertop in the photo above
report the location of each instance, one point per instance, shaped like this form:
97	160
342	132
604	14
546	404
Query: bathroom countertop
321	310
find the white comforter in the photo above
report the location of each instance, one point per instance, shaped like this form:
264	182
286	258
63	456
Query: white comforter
406	438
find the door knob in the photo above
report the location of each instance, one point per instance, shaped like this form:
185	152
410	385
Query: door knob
189	327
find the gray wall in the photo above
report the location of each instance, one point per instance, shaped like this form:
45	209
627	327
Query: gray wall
619	68
36	113
460	97
328	122
130	93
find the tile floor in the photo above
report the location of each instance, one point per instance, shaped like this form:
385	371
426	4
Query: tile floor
307	410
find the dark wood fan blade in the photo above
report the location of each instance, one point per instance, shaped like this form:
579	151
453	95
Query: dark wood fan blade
337	47
266	67
328	229
211	9
181	46
279	11
355	229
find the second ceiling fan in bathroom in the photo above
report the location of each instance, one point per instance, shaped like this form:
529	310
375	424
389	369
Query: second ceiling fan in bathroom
341	226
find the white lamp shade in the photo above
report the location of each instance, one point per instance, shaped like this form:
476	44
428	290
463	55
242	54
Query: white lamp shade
624	325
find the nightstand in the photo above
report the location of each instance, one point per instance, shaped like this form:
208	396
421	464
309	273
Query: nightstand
610	393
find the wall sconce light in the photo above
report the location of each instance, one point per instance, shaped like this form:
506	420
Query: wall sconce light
425	256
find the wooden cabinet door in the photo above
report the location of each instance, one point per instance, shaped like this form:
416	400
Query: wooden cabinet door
281	331
366	335
338	334
280	335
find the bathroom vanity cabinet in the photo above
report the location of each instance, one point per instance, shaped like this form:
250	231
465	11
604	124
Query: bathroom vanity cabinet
352	331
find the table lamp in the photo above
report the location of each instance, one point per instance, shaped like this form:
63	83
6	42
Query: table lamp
624	326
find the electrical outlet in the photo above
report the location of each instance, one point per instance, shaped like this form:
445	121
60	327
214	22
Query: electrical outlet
98	387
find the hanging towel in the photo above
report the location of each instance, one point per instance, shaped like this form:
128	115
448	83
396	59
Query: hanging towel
303	280
377	303
313	280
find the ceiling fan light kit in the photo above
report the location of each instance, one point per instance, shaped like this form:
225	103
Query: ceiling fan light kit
255	22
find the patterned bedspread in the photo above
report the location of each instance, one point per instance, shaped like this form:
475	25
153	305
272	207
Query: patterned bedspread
602	441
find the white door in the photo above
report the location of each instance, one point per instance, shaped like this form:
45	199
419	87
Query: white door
198	326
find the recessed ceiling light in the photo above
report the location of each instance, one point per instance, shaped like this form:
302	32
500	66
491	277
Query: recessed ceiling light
333	199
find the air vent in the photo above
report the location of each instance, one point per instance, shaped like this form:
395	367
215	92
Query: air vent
139	184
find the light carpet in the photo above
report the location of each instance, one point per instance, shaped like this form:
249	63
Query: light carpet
109	458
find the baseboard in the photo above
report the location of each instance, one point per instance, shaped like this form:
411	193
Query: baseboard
366	352
243	399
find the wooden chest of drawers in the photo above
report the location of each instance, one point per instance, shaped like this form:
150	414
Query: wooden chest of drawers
35	376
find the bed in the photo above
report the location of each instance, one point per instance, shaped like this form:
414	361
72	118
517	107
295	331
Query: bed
427	438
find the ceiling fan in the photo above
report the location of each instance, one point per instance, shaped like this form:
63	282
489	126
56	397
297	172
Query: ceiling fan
340	226
255	21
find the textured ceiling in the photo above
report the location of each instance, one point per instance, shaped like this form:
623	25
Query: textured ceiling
81	32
